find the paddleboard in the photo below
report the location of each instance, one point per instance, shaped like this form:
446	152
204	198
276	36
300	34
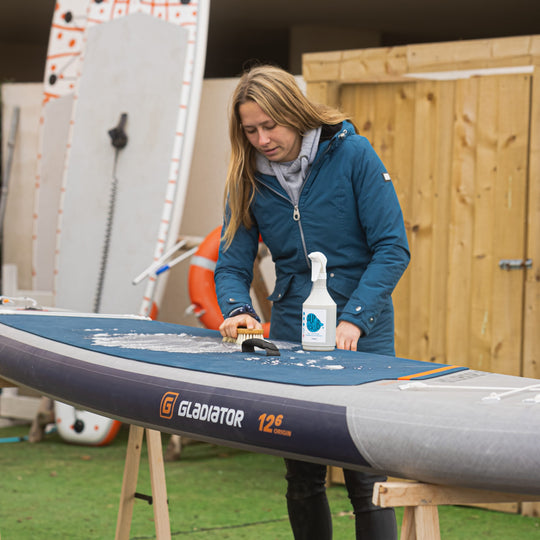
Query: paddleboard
430	422
155	208
61	71
84	427
72	19
121	206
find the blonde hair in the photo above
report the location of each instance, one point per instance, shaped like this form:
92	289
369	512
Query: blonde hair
278	95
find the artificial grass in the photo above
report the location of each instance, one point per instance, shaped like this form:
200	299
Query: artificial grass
53	490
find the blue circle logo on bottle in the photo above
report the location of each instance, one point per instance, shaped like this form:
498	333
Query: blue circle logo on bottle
313	323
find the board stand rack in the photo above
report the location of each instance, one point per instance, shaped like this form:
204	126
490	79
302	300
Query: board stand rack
421	502
158	499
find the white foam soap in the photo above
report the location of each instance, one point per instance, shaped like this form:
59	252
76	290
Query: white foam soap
319	310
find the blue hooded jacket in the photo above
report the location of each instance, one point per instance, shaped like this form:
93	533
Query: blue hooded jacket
348	210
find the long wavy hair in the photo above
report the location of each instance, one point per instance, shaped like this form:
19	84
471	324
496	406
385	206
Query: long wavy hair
278	95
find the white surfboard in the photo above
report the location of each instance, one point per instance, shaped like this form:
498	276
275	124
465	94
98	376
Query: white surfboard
54	131
61	70
153	73
65	64
151	69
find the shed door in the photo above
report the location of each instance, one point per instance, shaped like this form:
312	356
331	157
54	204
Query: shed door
457	151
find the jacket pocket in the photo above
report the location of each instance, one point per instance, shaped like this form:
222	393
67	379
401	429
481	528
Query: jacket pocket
341	289
281	288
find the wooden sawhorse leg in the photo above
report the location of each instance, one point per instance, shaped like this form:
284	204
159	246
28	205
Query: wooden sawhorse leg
157	479
420	522
421	501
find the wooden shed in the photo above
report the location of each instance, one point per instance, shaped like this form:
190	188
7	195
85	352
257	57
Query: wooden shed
458	127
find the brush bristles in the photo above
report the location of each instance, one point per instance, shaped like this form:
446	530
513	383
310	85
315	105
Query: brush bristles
243	334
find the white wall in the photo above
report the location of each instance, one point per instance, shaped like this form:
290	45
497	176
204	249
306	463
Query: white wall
17	241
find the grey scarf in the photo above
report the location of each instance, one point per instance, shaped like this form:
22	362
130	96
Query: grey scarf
292	174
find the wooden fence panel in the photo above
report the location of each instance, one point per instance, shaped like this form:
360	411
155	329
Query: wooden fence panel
441	219
510	221
401	171
531	333
484	200
461	221
457	153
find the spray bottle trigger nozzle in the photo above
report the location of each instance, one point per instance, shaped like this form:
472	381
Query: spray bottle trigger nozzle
318	265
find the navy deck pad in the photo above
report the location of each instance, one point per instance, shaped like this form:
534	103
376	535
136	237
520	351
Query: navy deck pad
202	350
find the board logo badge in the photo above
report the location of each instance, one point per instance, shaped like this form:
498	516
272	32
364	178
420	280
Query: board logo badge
168	402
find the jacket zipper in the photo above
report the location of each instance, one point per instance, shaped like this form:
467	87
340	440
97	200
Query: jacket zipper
296	217
296	210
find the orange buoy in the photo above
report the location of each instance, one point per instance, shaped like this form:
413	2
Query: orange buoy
202	289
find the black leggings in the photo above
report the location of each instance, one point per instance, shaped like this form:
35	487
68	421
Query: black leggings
309	512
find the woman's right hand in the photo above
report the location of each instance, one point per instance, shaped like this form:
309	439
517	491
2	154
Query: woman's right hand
229	327
347	336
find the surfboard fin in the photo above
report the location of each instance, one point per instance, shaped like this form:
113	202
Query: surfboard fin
118	135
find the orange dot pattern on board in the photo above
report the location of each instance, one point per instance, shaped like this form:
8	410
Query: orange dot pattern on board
72	17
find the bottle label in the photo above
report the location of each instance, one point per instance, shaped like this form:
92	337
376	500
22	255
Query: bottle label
314	326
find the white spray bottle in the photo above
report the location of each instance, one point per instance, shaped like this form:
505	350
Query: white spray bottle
319	310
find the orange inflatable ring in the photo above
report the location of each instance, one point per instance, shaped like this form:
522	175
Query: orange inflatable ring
202	290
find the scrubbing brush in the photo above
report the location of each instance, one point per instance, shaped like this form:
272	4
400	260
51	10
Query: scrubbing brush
243	334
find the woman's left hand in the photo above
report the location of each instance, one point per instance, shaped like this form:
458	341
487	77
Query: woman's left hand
347	336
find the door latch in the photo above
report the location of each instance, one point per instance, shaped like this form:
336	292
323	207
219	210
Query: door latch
515	264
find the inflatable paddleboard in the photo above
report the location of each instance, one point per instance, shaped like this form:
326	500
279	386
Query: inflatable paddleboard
140	79
83	427
61	71
157	43
429	422
72	21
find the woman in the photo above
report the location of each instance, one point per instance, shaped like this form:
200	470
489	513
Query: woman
301	178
